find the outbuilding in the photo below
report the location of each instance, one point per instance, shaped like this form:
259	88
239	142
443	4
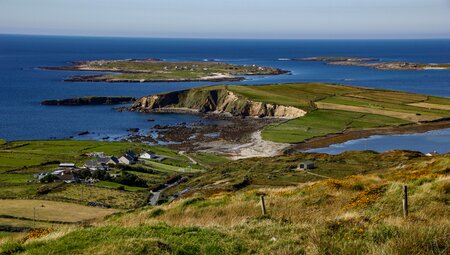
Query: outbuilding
306	165
126	160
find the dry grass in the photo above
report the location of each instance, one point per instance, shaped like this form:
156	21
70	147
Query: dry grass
52	210
358	214
395	114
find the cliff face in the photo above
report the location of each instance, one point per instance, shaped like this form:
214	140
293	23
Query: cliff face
217	101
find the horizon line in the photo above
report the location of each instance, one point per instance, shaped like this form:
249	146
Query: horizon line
220	38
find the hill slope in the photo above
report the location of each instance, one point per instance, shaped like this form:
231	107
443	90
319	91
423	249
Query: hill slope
358	214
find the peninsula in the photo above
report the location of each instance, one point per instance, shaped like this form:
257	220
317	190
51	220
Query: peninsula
153	70
310	111
376	63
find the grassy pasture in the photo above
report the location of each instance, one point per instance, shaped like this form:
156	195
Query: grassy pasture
341	107
323	122
51	210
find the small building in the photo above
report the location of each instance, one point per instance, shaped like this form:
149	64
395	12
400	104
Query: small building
131	155
306	165
96	164
113	161
41	175
126	160
68	178
148	155
431	154
67	165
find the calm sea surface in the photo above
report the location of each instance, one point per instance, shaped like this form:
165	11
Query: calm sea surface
23	85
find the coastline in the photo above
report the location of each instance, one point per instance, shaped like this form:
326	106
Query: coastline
348	135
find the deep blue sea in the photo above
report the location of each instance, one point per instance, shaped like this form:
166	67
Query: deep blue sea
23	85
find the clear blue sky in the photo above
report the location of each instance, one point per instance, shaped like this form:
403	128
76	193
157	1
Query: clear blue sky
229	18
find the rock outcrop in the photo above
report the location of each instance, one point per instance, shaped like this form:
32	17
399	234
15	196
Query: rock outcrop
90	101
208	100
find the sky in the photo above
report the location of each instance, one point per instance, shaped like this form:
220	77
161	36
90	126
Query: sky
271	19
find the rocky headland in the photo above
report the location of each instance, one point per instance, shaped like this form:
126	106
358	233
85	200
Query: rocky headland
213	100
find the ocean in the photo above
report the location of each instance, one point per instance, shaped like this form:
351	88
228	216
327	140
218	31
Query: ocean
23	85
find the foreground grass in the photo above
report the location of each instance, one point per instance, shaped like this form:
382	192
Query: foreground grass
357	214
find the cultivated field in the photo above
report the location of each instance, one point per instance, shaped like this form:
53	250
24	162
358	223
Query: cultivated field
335	108
45	210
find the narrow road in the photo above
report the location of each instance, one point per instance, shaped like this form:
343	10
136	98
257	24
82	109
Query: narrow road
189	157
157	194
322	176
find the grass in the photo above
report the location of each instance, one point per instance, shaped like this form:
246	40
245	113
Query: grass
390	106
324	122
167	71
20	160
170	168
79	193
51	210
330	108
298	95
115	185
355	214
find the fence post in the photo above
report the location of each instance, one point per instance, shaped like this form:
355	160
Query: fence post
34	217
405	201
263	206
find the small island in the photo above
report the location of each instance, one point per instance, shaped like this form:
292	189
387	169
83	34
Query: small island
154	70
90	101
376	63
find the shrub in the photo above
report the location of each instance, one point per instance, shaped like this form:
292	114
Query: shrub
131	180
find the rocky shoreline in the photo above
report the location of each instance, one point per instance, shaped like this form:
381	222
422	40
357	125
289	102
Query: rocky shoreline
101	78
89	101
353	134
375	63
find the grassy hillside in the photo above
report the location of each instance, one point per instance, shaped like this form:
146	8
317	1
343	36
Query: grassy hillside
62	203
351	214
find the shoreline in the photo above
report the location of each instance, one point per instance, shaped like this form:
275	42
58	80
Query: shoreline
348	135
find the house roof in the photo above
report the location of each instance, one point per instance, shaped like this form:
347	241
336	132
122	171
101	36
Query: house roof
67	165
127	157
307	162
131	154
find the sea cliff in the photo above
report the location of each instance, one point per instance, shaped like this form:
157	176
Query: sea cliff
219	100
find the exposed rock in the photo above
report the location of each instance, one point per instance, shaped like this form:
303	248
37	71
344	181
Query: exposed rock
134	130
90	101
220	101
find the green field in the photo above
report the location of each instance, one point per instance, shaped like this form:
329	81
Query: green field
20	160
324	122
335	108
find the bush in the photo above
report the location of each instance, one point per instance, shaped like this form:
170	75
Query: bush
48	178
131	180
101	175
